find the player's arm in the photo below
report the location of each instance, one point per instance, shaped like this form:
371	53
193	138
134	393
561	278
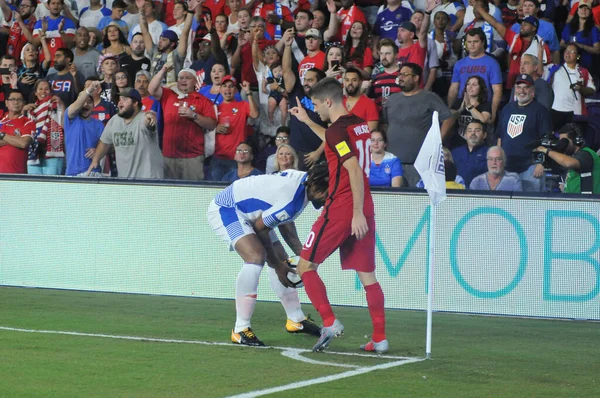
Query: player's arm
290	236
273	258
357	185
301	114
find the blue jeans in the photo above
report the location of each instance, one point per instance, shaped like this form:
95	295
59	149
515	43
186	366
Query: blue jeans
219	167
531	183
48	167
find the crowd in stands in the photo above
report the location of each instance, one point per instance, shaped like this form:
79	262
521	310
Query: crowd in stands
202	89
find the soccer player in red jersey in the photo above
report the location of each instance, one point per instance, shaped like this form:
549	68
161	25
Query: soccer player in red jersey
347	149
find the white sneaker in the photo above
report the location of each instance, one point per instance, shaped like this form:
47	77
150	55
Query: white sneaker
381	348
327	334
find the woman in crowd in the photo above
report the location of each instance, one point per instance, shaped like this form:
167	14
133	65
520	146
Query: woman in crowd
244	155
47	152
582	32
286	158
122	81
443	39
456	12
213	91
262	63
115	41
334	62
282	136
357	52
232	20
31	69
107	67
386	169
474	105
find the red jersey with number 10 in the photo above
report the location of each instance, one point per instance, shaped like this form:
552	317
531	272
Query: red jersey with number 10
347	137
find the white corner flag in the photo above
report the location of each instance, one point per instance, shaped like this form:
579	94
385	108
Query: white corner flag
430	163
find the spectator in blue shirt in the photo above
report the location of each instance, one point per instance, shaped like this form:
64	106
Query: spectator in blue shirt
496	179
244	155
386	169
470	159
546	29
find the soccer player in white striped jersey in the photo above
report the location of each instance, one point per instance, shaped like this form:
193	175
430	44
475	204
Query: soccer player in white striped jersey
245	215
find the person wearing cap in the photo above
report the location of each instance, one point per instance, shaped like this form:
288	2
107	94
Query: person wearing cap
530	65
171	48
133	135
107	67
520	123
58	31
147	13
99	17
410	51
66	82
582	32
315	58
82	133
546	30
595	7
526	41
278	17
209	54
581	163
137	60
231	127
186	115
302	24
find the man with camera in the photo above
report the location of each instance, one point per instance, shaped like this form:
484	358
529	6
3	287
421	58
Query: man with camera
582	163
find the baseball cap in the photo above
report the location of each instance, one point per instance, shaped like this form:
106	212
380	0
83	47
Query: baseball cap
585	3
169	34
525	79
313	33
408	26
229	78
131	93
531	20
535	2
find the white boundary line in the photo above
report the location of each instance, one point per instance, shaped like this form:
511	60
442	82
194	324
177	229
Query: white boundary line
289	352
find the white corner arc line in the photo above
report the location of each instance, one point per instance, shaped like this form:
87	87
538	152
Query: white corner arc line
326	379
296	355
210	343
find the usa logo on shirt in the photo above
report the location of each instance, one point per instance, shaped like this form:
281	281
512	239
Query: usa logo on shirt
515	125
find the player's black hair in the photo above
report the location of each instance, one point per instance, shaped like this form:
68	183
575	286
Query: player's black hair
318	177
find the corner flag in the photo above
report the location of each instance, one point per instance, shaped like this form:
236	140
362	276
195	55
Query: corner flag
430	163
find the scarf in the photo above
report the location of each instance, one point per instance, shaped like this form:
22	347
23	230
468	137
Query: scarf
47	128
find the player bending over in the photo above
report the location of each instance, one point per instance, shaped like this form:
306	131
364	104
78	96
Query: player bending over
347	149
245	215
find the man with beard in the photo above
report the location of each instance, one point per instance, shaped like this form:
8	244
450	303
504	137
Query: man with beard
82	132
59	31
520	123
470	159
66	82
103	110
496	178
186	114
17	36
171	48
133	135
411	50
209	54
384	84
137	61
581	163
86	57
356	103
408	117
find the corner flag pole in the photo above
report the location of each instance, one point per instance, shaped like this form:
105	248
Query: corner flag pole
430	165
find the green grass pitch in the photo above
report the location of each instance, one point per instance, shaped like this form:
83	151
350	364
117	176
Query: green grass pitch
473	356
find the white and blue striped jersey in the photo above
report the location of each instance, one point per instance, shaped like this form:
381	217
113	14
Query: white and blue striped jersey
277	198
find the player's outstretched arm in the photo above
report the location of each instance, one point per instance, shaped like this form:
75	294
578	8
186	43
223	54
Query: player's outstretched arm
357	185
290	236
301	115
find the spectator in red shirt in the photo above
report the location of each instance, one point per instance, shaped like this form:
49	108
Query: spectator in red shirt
357	103
20	25
231	127
16	134
186	115
346	17
357	51
410	51
315	57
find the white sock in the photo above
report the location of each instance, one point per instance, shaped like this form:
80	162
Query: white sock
245	295
288	297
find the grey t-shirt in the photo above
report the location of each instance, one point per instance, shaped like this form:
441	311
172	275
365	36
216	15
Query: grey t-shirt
136	147
158	60
409	120
87	64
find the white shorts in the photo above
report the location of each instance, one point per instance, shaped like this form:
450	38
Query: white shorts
231	225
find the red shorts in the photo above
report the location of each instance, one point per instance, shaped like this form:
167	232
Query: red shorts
327	236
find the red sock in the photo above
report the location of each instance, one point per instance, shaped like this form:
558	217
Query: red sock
317	293
375	301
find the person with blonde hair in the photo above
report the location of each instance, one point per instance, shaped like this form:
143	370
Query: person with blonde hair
286	158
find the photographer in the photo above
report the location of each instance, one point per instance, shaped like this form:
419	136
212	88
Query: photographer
582	163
